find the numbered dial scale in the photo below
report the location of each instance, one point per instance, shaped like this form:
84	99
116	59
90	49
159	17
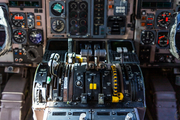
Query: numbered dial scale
58	25
36	36
147	37
163	40
164	19
19	36
18	20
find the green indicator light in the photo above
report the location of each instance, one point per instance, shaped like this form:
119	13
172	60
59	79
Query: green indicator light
48	80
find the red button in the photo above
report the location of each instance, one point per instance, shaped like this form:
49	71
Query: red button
20	53
19	33
16	59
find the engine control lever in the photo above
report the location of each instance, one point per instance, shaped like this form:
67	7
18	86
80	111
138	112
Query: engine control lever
4	21
172	35
53	62
70	55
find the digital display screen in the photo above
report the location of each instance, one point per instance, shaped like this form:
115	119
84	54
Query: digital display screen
115	44
58	45
25	3
18	18
2	38
156	4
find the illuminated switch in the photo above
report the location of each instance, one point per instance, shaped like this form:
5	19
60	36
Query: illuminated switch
38	23
149	24
38	17
143	18
95	86
20	53
150	18
110	6
91	86
143	24
119	49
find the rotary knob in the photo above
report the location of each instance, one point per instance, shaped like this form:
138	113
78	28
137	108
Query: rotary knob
82	116
129	116
78	83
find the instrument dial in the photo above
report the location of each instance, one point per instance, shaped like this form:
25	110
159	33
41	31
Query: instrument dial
83	22
57	9
73	14
19	36
18	20
83	30
164	19
83	14
36	36
73	5
147	37
74	30
163	40
58	26
74	22
83	5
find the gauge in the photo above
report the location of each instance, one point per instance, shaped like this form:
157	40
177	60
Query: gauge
19	36
18	20
83	14
57	9
35	36
74	22
147	37
164	19
74	30
73	14
163	40
83	22
83	30
83	5
73	5
57	25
